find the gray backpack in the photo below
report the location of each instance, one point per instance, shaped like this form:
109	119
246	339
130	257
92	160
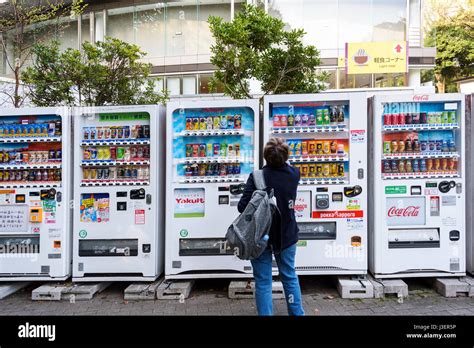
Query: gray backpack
248	234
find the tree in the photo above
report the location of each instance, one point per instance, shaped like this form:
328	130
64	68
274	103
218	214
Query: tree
255	45
108	72
20	22
453	37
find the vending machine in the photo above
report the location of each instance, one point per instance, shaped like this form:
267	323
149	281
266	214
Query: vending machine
35	193
327	136
470	180
119	193
417	198
211	150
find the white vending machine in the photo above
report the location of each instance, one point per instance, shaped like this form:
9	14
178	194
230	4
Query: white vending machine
119	193
35	193
327	136
212	148
470	182
417	183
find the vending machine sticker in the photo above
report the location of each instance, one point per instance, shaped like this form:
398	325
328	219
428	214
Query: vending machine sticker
403	211
54	233
448	200
358	136
50	217
338	214
353	204
6	196
14	218
139	217
395	190
189	202
95	207
448	221
302	243
49	205
303	204
355	224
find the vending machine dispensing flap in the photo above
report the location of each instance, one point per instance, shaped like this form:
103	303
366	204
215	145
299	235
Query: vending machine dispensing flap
413	238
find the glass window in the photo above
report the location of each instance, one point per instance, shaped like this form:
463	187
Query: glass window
389	20
331	83
173	84
354	80
204	80
205	37
149	26
99	26
120	24
189	85
85	28
355	21
390	80
181	29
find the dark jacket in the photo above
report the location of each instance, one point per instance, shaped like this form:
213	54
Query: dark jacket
284	181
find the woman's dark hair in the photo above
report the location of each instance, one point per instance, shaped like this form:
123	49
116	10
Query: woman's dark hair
276	152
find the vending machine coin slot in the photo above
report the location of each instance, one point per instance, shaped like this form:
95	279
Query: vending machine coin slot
20	199
454	235
444	186
121	206
148	199
458	187
223	188
360	173
352	191
415	190
36	215
137	194
321	189
322	201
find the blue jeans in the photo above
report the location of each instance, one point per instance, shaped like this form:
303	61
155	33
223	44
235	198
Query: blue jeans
262	272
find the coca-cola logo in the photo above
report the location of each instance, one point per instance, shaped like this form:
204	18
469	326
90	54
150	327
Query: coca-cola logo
423	97
411	210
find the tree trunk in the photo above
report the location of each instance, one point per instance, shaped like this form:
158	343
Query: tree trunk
16	94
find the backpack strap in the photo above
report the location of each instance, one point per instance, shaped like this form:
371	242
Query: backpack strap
259	180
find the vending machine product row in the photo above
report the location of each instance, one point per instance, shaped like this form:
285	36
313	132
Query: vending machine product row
211	150
417	199
119	193
327	137
35	193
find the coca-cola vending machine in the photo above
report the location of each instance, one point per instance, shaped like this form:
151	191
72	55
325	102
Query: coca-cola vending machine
417	185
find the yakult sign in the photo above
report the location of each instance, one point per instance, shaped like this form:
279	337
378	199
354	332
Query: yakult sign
405	211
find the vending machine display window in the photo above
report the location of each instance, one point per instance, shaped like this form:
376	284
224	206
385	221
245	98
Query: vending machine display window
318	137
420	140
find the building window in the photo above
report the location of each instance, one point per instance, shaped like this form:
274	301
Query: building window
189	85
204	88
390	80
173	85
354	80
331	83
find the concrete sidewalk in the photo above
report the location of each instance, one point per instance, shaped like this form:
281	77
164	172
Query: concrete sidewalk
209	297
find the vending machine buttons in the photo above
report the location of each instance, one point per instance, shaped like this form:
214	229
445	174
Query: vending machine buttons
36	214
146	248
415	190
360	173
322	201
352	191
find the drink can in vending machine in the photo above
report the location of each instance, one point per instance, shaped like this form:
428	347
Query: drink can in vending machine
312	170
333	169
189	124
423	118
305	170
202	150
209	170
408	118
326	147
395	119
423	145
319	170
408	166
439	145
319	148
319	117
86	133
209	122
444	164
113	173
416	118
222	169
394	146
386	166
452	164
291	120
86	173
452	145
304	148
217	148
416	145
209	150
223	150
284	120
445	117
394	166
146	131
202	123
452	117
340	170
401	146
126	132
436	164
298	120
429	164
401	166
401	118
312	120
100	133
387	119
326	170
305	119
223	122
297	147
445	146
238	121
217	122
276	121
423	166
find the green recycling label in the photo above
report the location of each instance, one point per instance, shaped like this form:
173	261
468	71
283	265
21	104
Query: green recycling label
83	233
395	190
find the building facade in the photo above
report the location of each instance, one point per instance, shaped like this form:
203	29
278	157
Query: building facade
177	39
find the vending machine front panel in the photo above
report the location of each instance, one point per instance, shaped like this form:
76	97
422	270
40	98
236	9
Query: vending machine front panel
212	148
119	197
419	179
327	136
35	191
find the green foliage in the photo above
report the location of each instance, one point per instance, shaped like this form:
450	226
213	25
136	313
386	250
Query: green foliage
256	46
106	73
454	41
